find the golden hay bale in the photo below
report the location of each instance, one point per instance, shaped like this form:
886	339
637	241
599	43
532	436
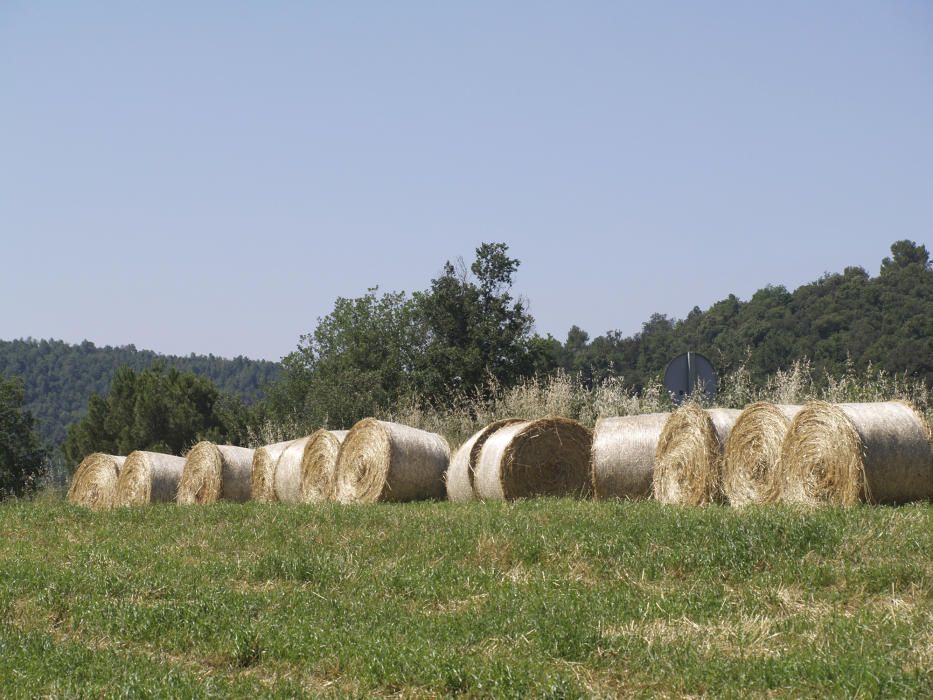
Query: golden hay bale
287	479
380	461
462	469
213	472
751	457
262	471
845	453
623	455
94	483
149	477
688	461
545	457
319	466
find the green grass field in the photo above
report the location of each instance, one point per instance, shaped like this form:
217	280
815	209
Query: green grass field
547	598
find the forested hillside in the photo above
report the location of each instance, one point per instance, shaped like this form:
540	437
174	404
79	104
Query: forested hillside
848	317
375	352
59	378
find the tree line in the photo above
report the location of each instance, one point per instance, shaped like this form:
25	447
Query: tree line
467	331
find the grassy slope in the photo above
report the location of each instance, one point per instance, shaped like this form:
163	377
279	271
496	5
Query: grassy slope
549	597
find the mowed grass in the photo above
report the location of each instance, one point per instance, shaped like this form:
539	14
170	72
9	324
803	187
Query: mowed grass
546	598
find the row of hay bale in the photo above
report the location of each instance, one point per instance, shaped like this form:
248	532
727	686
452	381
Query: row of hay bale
818	453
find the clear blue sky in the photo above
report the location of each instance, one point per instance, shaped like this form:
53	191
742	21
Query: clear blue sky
209	176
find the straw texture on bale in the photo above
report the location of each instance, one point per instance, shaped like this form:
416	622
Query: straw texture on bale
287	479
319	466
149	477
688	462
462	469
842	454
380	461
545	457
215	472
623	455
94	483
262	474
752	454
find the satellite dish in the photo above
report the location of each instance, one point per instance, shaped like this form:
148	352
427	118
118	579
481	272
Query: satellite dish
689	373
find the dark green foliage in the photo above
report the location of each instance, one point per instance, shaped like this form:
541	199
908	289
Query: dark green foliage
23	459
472	328
59	378
357	360
373	352
840	321
541	598
158	409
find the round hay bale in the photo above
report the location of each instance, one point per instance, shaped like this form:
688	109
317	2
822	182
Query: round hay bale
462	469
213	472
287	479
319	466
688	461
149	477
380	461
262	471
842	454
752	454
94	484
623	455
545	457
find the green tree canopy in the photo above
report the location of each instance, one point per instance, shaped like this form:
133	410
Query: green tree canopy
157	409
23	459
472	327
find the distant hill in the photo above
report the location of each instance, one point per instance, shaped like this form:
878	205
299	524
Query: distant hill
840	320
60	377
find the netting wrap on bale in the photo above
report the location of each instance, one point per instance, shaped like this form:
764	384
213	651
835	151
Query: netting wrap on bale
842	454
380	461
688	462
215	472
462	469
545	457
149	477
262	471
752	454
623	455
319	466
287	479
94	483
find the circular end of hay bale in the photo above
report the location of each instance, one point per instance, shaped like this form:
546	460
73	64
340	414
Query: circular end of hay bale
134	487
822	457
202	478
262	471
319	466
363	463
547	457
458	479
686	469
382	461
751	471
94	484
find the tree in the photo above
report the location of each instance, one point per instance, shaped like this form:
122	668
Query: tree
359	359
473	327
157	409
23	459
